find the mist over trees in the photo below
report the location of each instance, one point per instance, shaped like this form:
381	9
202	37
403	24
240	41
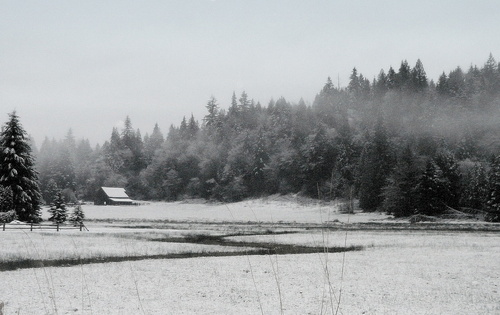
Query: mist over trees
399	143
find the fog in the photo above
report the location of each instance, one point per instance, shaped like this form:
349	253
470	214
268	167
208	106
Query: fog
86	66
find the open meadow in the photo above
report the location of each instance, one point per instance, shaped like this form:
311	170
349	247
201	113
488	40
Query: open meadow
278	255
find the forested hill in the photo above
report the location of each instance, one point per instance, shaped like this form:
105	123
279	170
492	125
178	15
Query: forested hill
387	141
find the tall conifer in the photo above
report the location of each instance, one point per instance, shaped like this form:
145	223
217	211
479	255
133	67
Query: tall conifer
17	170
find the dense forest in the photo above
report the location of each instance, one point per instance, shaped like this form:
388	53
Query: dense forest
399	143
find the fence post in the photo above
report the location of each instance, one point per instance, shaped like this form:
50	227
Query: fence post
31	227
57	227
4	226
81	226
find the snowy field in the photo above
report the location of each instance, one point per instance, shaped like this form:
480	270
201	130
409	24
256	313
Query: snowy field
397	272
273	209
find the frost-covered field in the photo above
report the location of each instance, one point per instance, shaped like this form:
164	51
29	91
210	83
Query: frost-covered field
259	210
425	280
17	245
397	272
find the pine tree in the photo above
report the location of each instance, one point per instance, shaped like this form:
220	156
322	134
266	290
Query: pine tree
211	119
58	209
400	195
475	191
50	191
17	170
419	77
6	203
493	203
193	127
260	158
392	79
430	190
152	144
381	84
354	82
404	76
451	179
77	216
374	169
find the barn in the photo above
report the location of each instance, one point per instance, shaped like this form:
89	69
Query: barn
112	196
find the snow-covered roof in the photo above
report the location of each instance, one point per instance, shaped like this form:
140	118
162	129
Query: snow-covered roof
115	192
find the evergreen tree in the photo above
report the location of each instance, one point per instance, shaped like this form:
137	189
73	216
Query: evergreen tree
50	191
456	83
354	82
257	181
318	158
113	152
451	179
244	102
77	216
381	85
183	129
17	170
442	85
404	76
58	209
475	188
152	144
374	169
493	203
491	81
430	190
400	193
419	77
392	79
6	203
211	120
193	128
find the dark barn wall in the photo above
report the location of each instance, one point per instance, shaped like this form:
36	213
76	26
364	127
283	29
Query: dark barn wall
101	198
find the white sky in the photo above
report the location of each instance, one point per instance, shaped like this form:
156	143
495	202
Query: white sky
86	65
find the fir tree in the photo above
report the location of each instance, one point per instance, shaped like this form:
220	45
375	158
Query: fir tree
152	144
400	195
475	188
211	119
6	203
374	169
430	190
419	77
451	179
77	216
58	209
50	191
17	170
493	203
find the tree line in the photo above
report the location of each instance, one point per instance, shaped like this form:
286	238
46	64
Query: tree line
400	143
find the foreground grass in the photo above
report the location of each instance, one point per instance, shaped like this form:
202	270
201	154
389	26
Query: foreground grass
34	249
439	276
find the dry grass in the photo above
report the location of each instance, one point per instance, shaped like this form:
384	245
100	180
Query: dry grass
21	246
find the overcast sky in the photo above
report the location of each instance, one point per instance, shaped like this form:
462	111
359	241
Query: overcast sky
86	65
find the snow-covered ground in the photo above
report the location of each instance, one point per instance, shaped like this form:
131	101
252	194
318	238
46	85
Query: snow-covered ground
414	280
398	272
273	209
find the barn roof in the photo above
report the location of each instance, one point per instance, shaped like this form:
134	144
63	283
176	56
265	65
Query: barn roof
115	192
